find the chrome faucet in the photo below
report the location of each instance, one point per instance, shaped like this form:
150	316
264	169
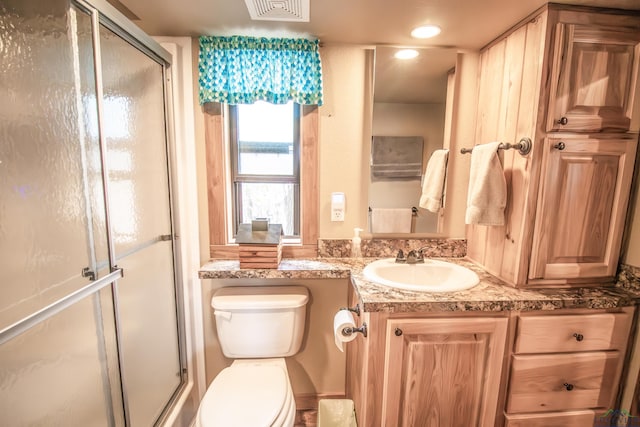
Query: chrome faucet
413	257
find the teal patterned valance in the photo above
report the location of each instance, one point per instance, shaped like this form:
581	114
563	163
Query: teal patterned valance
242	70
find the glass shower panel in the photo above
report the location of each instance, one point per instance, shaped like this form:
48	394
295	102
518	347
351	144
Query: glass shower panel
147	314
140	218
59	372
50	183
136	142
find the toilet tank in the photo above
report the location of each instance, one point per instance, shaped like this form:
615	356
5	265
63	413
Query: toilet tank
260	321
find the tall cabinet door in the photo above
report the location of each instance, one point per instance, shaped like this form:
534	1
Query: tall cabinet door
582	207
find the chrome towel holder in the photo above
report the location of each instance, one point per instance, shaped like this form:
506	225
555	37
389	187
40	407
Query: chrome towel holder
523	146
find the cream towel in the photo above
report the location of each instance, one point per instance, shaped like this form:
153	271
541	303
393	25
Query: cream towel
433	181
487	195
391	220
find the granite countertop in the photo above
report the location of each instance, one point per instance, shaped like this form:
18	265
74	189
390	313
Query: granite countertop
490	295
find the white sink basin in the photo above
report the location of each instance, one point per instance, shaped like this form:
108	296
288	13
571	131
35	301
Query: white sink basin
432	276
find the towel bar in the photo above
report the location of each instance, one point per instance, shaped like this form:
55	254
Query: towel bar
523	147
414	210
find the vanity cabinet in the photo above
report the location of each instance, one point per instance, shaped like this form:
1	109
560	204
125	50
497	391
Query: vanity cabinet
515	369
419	370
565	367
566	78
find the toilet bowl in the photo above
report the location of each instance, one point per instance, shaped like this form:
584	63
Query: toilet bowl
249	393
257	327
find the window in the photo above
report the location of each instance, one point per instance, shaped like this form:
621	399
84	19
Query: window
265	164
220	184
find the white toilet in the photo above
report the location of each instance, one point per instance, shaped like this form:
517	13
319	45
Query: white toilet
260	326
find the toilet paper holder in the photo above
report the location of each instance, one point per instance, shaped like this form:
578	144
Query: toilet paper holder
349	331
355	309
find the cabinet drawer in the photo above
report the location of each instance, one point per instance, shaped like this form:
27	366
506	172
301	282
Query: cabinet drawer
587	332
553	382
556	419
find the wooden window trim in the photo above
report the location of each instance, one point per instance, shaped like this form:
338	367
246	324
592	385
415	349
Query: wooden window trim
217	184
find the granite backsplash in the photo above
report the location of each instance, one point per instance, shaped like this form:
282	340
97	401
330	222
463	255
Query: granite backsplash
382	248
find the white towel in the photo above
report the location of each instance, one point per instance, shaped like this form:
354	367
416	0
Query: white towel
391	220
487	195
433	181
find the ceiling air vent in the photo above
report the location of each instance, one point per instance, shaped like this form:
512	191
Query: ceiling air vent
279	10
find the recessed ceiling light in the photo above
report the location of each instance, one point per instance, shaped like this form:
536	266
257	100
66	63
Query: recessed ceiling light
406	54
425	31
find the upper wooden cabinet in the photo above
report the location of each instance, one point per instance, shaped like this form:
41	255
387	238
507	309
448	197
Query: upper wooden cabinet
593	78
566	75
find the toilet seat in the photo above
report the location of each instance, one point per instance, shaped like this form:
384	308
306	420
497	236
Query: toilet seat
248	395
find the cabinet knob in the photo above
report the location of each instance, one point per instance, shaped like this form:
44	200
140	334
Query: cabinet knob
559	146
398	332
568	386
578	337
563	121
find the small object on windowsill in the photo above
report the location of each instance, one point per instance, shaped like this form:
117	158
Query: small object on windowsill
259	244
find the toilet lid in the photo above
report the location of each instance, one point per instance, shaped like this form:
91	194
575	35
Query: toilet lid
244	396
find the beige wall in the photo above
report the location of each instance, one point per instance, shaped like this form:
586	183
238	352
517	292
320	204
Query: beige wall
345	135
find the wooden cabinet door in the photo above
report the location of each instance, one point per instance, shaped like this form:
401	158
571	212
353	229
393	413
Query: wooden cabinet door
593	79
581	208
442	372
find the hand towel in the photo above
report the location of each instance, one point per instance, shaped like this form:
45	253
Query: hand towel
433	182
391	220
487	196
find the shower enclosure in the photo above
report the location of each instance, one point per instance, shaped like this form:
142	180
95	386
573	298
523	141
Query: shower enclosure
90	316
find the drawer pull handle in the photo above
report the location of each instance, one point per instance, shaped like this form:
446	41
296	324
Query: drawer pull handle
562	121
568	386
398	332
559	146
578	337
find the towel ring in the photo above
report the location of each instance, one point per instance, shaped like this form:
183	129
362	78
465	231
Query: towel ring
523	146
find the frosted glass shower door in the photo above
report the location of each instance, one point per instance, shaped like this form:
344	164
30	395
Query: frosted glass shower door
139	209
59	369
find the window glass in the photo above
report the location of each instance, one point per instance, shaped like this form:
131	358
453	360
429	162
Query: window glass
265	164
274	201
265	139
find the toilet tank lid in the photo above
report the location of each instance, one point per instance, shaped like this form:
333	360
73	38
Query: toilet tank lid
262	297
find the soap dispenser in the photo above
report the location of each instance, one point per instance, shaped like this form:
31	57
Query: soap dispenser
356	251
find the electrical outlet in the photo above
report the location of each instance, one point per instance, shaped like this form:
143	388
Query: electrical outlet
337	206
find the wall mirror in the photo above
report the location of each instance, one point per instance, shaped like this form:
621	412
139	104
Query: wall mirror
409	105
